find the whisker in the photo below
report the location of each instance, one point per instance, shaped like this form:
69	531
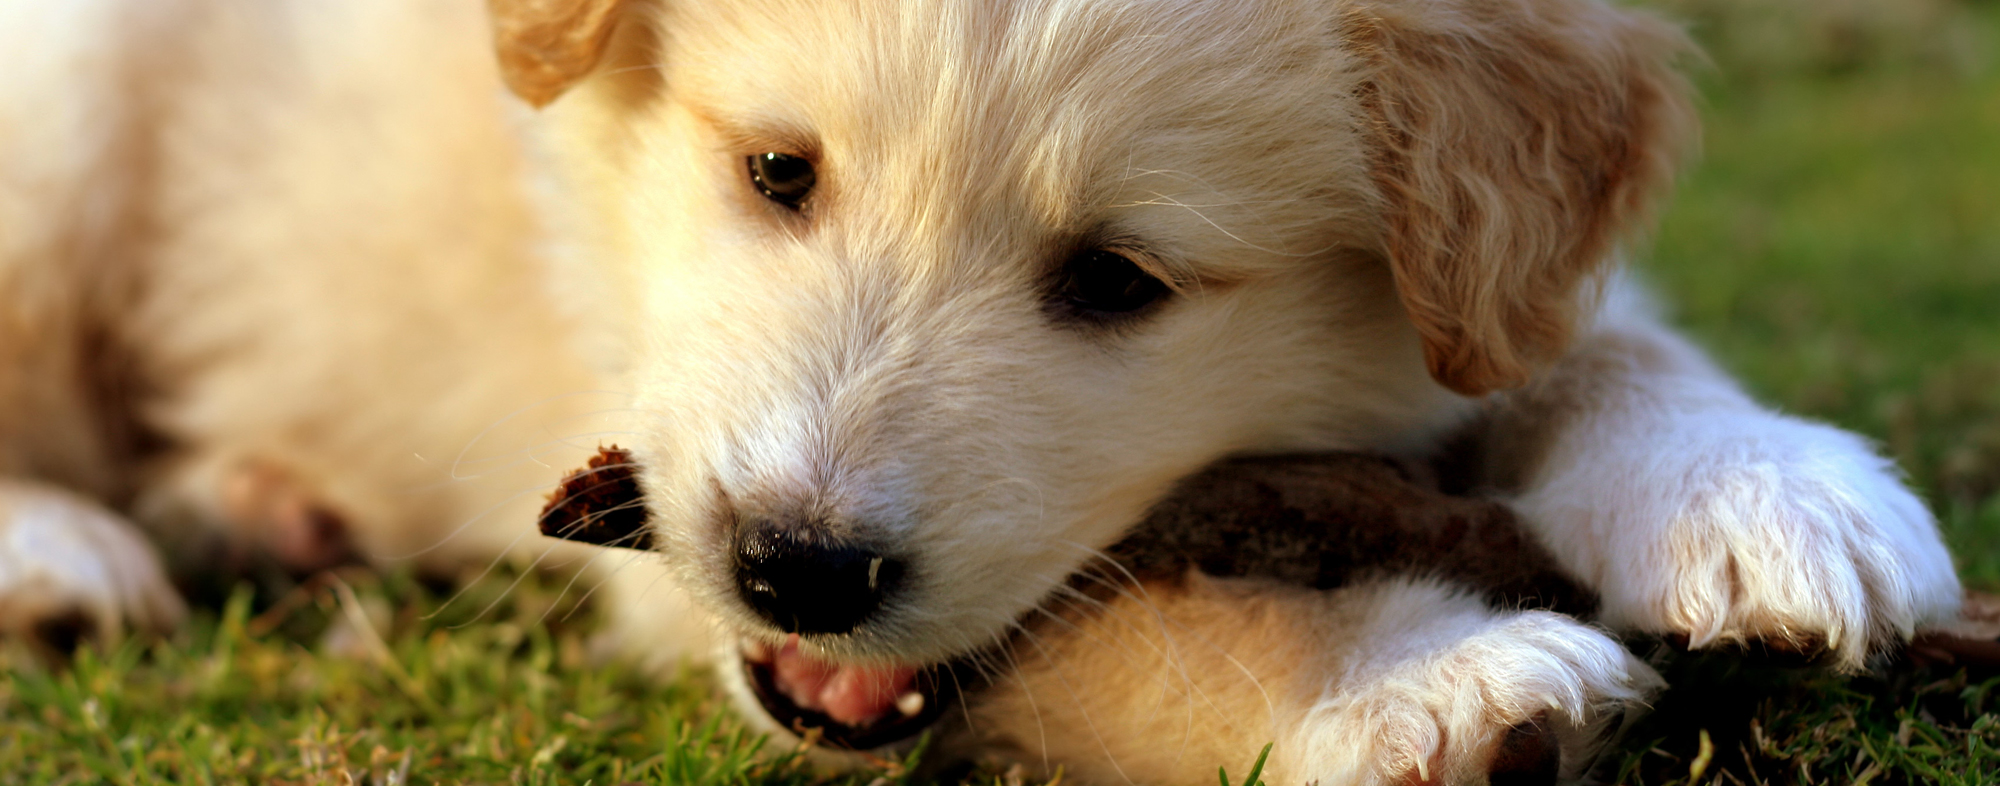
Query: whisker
474	519
528	454
633	68
511	586
1028	692
494	564
1082	707
1270	704
1130	656
1191	692
509	418
630	557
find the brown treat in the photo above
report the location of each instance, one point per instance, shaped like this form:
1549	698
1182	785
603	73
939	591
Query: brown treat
1325	520
600	504
1972	643
1319	520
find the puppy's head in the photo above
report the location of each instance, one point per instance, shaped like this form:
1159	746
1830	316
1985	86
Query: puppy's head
929	300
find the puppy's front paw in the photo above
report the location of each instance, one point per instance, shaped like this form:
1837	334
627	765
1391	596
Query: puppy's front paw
1529	699
1757	529
63	557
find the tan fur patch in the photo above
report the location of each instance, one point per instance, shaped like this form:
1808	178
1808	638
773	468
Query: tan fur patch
1514	142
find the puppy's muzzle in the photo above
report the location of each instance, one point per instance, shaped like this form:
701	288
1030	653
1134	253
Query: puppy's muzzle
802	578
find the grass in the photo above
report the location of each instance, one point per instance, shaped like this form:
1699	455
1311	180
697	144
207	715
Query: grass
1838	248
306	693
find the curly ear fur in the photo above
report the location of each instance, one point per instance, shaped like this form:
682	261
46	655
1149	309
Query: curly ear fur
1514	140
545	46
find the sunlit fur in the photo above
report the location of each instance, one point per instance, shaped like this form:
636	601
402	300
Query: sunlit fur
300	245
1386	682
257	240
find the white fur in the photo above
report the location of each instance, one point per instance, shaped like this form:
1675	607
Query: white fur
62	554
1694	511
1438	677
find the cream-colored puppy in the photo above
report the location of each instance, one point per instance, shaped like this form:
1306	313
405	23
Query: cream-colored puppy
268	283
921	304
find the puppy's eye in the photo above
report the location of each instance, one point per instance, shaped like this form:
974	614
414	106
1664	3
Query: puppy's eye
783	179
1105	283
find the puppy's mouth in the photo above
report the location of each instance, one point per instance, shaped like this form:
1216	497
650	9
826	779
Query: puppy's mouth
851	706
844	705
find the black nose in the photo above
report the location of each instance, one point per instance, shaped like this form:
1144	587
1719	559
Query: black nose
803	580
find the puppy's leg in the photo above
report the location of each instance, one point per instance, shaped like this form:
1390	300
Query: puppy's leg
223	512
1389	682
63	556
1695	512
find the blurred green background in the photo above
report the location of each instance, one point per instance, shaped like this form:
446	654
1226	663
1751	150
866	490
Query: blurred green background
1838	244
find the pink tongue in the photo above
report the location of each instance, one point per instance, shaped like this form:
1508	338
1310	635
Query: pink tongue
853	695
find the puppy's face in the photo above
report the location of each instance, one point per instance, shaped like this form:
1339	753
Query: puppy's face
964	289
932	299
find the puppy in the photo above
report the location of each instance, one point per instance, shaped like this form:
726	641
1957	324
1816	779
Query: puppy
272	298
919	306
930	301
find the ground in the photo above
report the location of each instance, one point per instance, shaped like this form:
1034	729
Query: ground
1838	247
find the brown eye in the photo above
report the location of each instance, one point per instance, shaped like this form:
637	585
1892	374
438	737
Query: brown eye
783	179
1104	284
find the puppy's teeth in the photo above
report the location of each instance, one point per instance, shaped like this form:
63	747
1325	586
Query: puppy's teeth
756	650
910	703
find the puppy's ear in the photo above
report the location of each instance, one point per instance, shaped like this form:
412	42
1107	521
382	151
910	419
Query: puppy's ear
545	46
1513	140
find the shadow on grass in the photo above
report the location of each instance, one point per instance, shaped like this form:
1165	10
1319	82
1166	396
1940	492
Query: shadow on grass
1730	720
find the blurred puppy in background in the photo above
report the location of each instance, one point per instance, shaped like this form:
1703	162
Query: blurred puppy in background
919	306
269	271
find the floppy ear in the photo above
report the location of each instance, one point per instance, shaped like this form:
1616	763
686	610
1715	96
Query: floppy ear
545	46
1513	140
